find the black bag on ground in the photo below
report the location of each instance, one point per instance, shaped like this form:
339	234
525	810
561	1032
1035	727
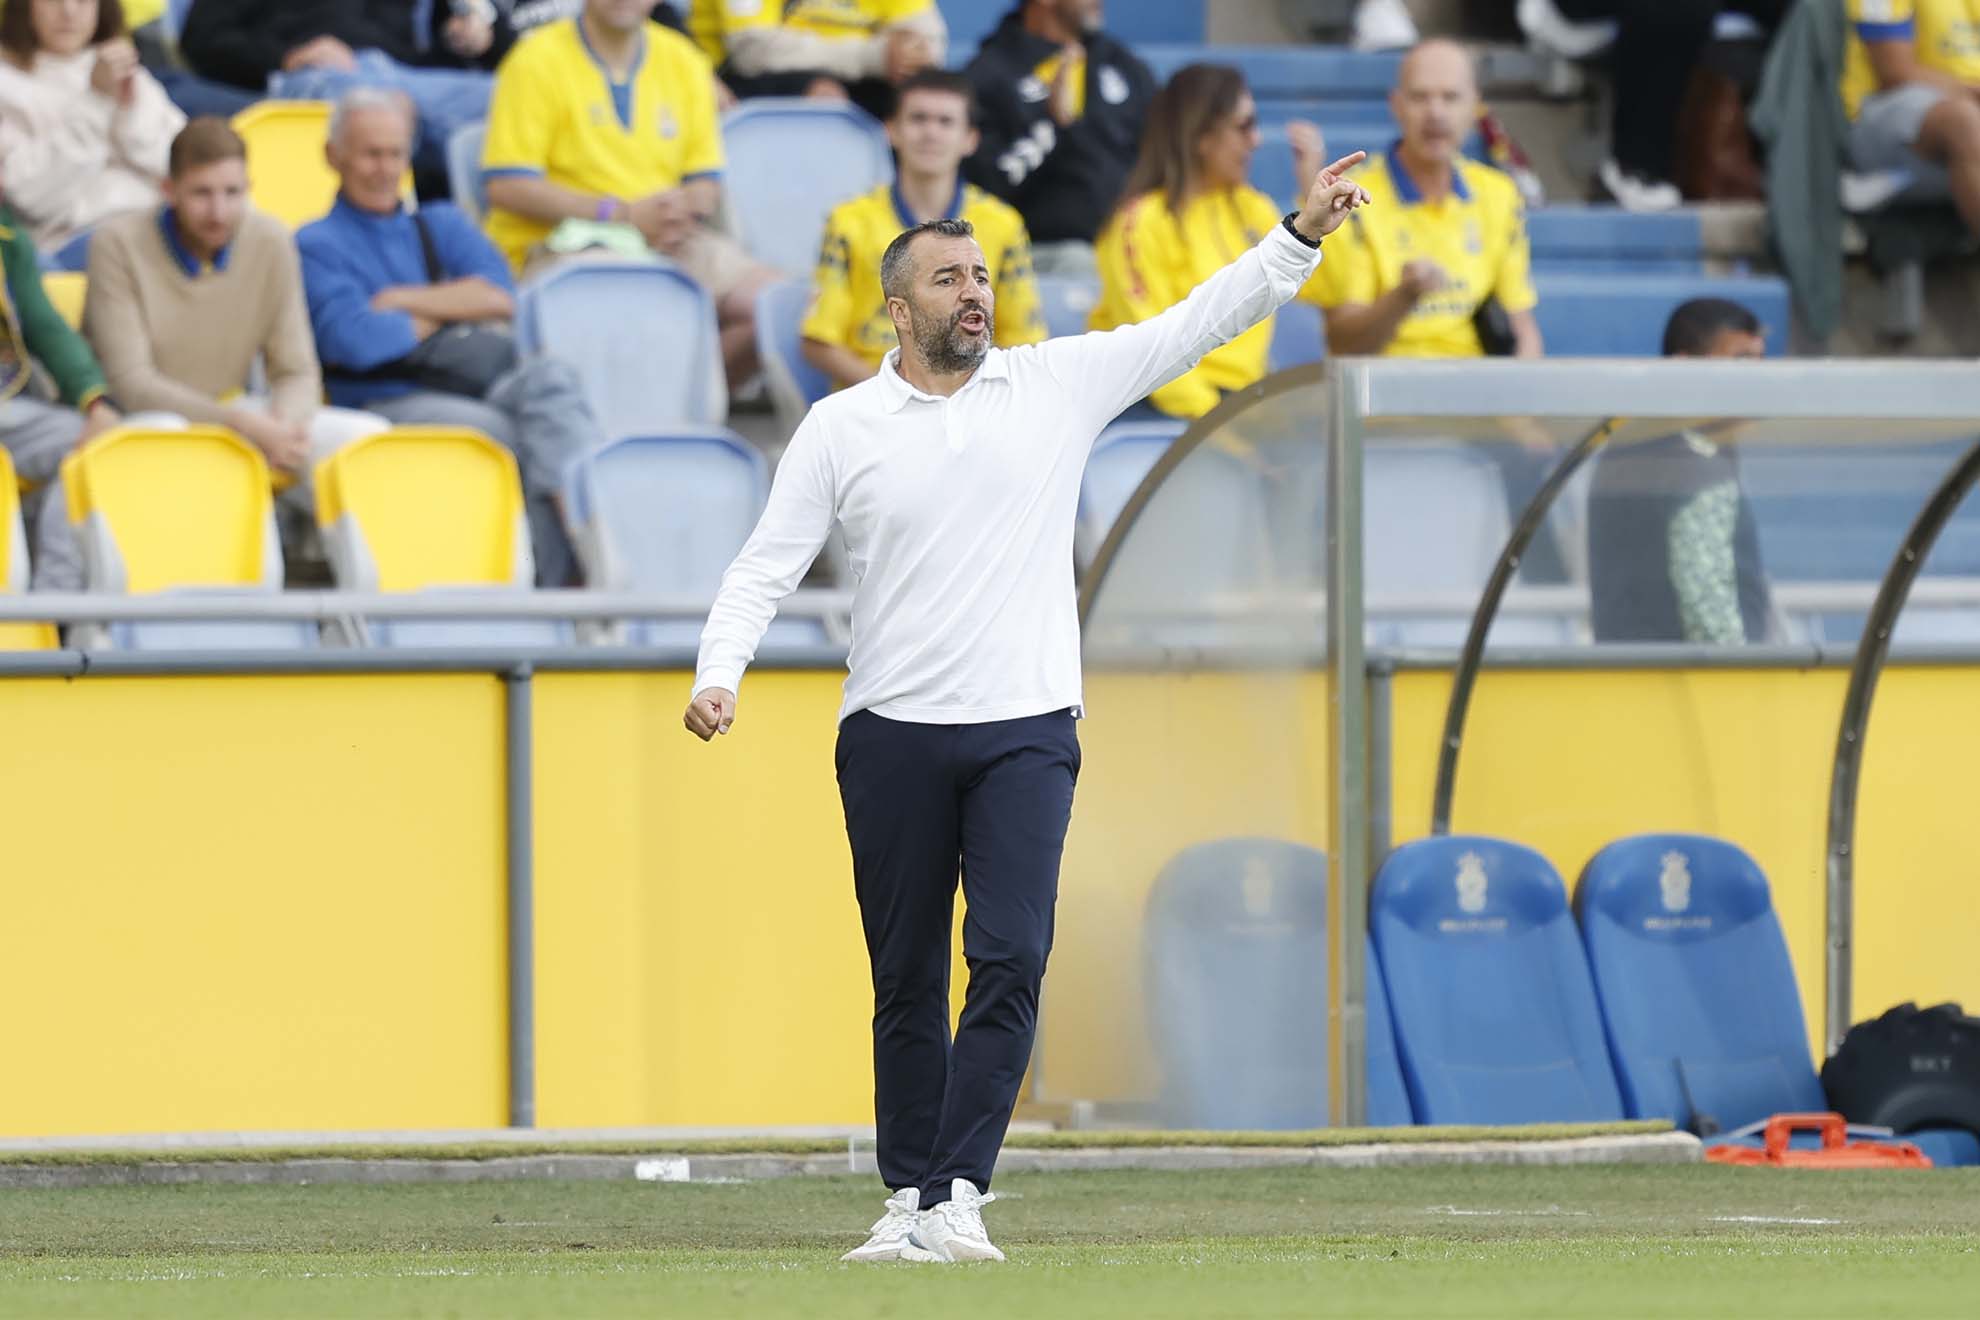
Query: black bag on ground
1911	1068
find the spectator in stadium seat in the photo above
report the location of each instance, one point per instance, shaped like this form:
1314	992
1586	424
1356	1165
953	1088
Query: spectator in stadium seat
1911	87
1673	550
832	49
83	128
382	281
848	329
1187	211
1408	276
1063	105
39	434
609	119
183	298
316	50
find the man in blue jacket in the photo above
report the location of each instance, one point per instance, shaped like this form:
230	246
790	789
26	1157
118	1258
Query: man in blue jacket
374	298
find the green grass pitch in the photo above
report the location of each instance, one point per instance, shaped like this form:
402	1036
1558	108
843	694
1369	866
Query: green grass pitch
1475	1241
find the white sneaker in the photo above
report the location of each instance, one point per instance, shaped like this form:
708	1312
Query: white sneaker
1383	25
1633	192
890	1232
953	1231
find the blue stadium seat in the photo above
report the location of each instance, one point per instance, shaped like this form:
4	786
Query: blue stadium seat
1298	337
1495	1013
1282	73
1436	521
794	384
1696	987
641	334
1603	239
969	23
1121	457
664	514
1067	303
1623	315
464	170
1235	966
790	161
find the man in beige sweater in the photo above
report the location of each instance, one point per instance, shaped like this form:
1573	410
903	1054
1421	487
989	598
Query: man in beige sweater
182	300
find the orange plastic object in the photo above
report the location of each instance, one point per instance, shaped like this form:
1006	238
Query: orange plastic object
1837	1152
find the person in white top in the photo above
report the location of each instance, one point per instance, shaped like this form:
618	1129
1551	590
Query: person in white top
953	475
84	130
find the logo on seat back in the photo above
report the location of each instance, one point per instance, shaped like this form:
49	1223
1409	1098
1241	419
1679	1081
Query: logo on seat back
1471	883
1675	882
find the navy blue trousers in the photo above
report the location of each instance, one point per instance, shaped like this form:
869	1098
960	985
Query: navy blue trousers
925	802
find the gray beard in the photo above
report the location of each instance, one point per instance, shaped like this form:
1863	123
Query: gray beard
941	345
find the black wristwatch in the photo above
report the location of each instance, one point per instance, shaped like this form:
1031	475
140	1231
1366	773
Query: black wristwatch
1293	229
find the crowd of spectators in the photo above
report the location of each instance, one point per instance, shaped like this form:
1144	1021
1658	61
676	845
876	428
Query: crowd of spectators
604	134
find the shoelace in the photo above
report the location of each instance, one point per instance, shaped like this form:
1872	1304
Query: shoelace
965	1216
897	1223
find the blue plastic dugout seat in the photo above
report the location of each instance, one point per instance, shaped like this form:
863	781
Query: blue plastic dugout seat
1495	1012
1623	314
1698	993
640	334
789	162
664	515
1067	302
1597	240
1235	965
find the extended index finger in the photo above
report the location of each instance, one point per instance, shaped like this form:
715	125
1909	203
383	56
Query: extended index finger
1347	162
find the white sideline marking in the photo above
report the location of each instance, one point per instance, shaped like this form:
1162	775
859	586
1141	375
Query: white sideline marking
1767	1219
1550	1212
673	1168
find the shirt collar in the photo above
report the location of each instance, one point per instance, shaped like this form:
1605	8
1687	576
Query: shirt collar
639	56
906	217
1406	190
895	391
168	225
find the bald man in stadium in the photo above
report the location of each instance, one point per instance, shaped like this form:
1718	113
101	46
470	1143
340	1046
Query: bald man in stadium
953	475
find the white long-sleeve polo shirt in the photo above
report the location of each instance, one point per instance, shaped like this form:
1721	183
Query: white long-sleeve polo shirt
958	512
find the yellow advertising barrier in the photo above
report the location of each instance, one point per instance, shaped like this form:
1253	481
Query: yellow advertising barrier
277	902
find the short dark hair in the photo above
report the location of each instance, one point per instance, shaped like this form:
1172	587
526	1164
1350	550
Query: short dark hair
894	271
939	80
1695	324
17	26
201	142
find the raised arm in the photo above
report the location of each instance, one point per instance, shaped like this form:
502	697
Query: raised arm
788	536
1117	367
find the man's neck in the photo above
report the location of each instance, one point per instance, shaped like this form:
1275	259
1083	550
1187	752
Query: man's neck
1040	21
1431	177
617	51
916	373
927	195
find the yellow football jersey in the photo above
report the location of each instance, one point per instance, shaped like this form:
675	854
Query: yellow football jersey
711	21
847	307
1944	33
557	114
1150	258
1477	234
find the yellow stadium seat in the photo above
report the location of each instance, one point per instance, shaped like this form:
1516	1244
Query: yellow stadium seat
14	566
157	510
423	506
287	174
66	289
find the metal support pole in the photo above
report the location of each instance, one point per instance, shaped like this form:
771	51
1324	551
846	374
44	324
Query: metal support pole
1871	650
1348	751
519	763
1501	578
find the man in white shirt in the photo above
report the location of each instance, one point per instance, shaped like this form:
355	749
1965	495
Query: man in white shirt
953	475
